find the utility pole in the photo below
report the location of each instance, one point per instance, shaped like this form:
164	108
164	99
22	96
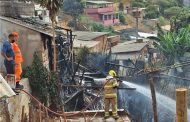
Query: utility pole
150	77
153	94
137	15
137	24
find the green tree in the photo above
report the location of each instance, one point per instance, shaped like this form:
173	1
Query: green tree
44	84
165	4
74	8
181	20
53	6
122	18
172	11
152	12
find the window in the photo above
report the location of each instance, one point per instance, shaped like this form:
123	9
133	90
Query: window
109	16
105	17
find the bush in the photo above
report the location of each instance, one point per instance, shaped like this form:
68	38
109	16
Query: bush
122	18
138	4
44	84
173	11
101	28
97	27
152	12
162	21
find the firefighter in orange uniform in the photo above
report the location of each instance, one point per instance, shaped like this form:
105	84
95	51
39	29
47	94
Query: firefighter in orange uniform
18	61
110	94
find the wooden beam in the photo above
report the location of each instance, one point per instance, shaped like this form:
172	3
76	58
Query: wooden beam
181	105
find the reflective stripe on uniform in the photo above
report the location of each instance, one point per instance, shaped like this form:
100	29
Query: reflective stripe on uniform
115	84
17	52
108	86
106	113
114	114
111	95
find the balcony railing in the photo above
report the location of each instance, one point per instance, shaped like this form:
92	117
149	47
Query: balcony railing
98	10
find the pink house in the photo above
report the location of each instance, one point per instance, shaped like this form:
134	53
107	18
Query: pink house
102	11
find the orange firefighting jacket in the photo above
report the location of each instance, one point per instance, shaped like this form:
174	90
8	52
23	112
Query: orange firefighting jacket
110	87
17	52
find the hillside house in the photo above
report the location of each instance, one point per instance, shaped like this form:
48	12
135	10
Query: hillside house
125	51
95	41
102	11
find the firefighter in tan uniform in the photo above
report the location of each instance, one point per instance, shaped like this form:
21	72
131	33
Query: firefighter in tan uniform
110	94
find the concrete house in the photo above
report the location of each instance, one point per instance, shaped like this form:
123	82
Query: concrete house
33	37
102	11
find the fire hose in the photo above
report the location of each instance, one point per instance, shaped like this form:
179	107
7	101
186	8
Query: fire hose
64	114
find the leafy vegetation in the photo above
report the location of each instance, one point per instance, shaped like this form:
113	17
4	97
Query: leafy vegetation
44	84
138	3
173	11
53	6
165	4
152	12
181	20
173	45
101	28
74	8
163	21
122	18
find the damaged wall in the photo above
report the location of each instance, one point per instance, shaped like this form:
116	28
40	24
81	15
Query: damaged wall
29	40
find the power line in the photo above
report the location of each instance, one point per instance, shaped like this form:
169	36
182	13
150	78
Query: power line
162	69
176	77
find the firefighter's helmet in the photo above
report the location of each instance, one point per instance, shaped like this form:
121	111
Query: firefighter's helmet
112	73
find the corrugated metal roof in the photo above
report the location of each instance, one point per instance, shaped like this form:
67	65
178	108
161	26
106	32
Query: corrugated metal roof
127	56
88	35
5	89
126	48
79	43
45	30
99	2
